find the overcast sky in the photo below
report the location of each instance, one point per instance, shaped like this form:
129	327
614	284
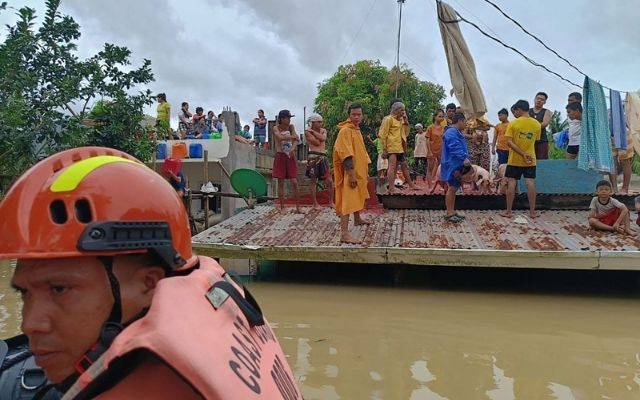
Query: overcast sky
271	54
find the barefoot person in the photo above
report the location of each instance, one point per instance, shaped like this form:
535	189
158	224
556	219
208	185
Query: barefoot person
317	164
285	166
607	213
393	133
522	134
350	168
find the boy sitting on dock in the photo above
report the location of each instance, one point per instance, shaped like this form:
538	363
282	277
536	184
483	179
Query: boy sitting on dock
607	213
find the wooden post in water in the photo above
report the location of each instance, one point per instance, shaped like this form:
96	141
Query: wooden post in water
206	195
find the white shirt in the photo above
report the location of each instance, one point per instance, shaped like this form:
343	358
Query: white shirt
574	132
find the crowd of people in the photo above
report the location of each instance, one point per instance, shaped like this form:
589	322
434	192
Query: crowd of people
450	153
197	125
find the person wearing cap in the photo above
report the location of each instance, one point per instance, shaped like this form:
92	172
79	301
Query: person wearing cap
115	303
420	151
393	133
317	164
351	171
285	165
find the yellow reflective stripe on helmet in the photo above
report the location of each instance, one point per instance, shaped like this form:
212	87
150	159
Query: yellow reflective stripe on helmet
71	177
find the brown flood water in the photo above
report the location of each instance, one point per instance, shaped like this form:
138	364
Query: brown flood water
479	339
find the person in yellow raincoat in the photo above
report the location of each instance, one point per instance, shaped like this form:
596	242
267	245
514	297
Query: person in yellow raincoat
393	133
350	168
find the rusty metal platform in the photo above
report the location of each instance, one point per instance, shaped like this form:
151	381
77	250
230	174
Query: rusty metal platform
556	239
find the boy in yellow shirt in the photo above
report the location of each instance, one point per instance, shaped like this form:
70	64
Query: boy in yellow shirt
500	144
521	135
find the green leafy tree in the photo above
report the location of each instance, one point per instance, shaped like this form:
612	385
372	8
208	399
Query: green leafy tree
46	91
373	85
556	124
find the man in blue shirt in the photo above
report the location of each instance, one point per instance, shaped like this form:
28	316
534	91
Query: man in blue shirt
455	158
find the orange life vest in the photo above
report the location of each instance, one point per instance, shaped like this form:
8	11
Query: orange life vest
201	340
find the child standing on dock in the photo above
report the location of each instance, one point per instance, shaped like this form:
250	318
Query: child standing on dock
522	133
607	213
500	145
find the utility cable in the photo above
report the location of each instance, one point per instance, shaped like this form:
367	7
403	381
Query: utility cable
364	20
531	61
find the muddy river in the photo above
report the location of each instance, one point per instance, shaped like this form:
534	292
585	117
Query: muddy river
357	332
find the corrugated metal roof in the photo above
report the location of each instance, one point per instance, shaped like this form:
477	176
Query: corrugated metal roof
553	231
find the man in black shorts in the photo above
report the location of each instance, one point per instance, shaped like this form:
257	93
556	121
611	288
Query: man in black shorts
522	133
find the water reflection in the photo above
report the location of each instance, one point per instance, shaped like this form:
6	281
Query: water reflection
477	341
465	336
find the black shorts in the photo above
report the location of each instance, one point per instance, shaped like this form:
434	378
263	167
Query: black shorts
517	172
399	156
573	149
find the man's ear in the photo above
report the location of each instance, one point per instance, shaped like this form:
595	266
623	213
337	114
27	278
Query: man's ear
150	276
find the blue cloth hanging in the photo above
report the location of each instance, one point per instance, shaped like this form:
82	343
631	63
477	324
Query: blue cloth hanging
618	128
595	139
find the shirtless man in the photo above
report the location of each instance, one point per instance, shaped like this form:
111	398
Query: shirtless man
285	166
317	164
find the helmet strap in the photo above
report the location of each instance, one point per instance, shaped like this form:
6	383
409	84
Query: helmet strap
116	311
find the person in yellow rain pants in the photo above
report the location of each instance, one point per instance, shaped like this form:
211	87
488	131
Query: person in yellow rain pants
350	168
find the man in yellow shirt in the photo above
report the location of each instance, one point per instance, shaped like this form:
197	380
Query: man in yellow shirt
393	134
521	135
351	173
163	116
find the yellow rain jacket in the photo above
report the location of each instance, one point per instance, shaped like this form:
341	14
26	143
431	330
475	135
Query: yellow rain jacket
349	143
393	133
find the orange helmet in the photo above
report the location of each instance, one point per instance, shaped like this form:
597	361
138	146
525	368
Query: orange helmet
94	201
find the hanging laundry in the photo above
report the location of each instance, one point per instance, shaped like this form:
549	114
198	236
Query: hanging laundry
618	130
462	69
595	140
632	103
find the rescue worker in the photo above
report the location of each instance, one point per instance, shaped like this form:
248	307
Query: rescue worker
116	305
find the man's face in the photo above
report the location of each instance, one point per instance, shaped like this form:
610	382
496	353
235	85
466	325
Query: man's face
399	113
199	112
66	301
450	112
572	99
540	101
355	116
503	117
260	114
316	125
285	121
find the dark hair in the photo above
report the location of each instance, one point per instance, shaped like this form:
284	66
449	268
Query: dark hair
210	112
199	109
577	95
184	103
246	126
433	117
465	169
542	94
574	106
457	117
603	183
450	106
262	111
162	96
521	105
353	106
503	111
637	200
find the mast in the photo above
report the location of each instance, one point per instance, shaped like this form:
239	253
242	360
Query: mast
400	3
